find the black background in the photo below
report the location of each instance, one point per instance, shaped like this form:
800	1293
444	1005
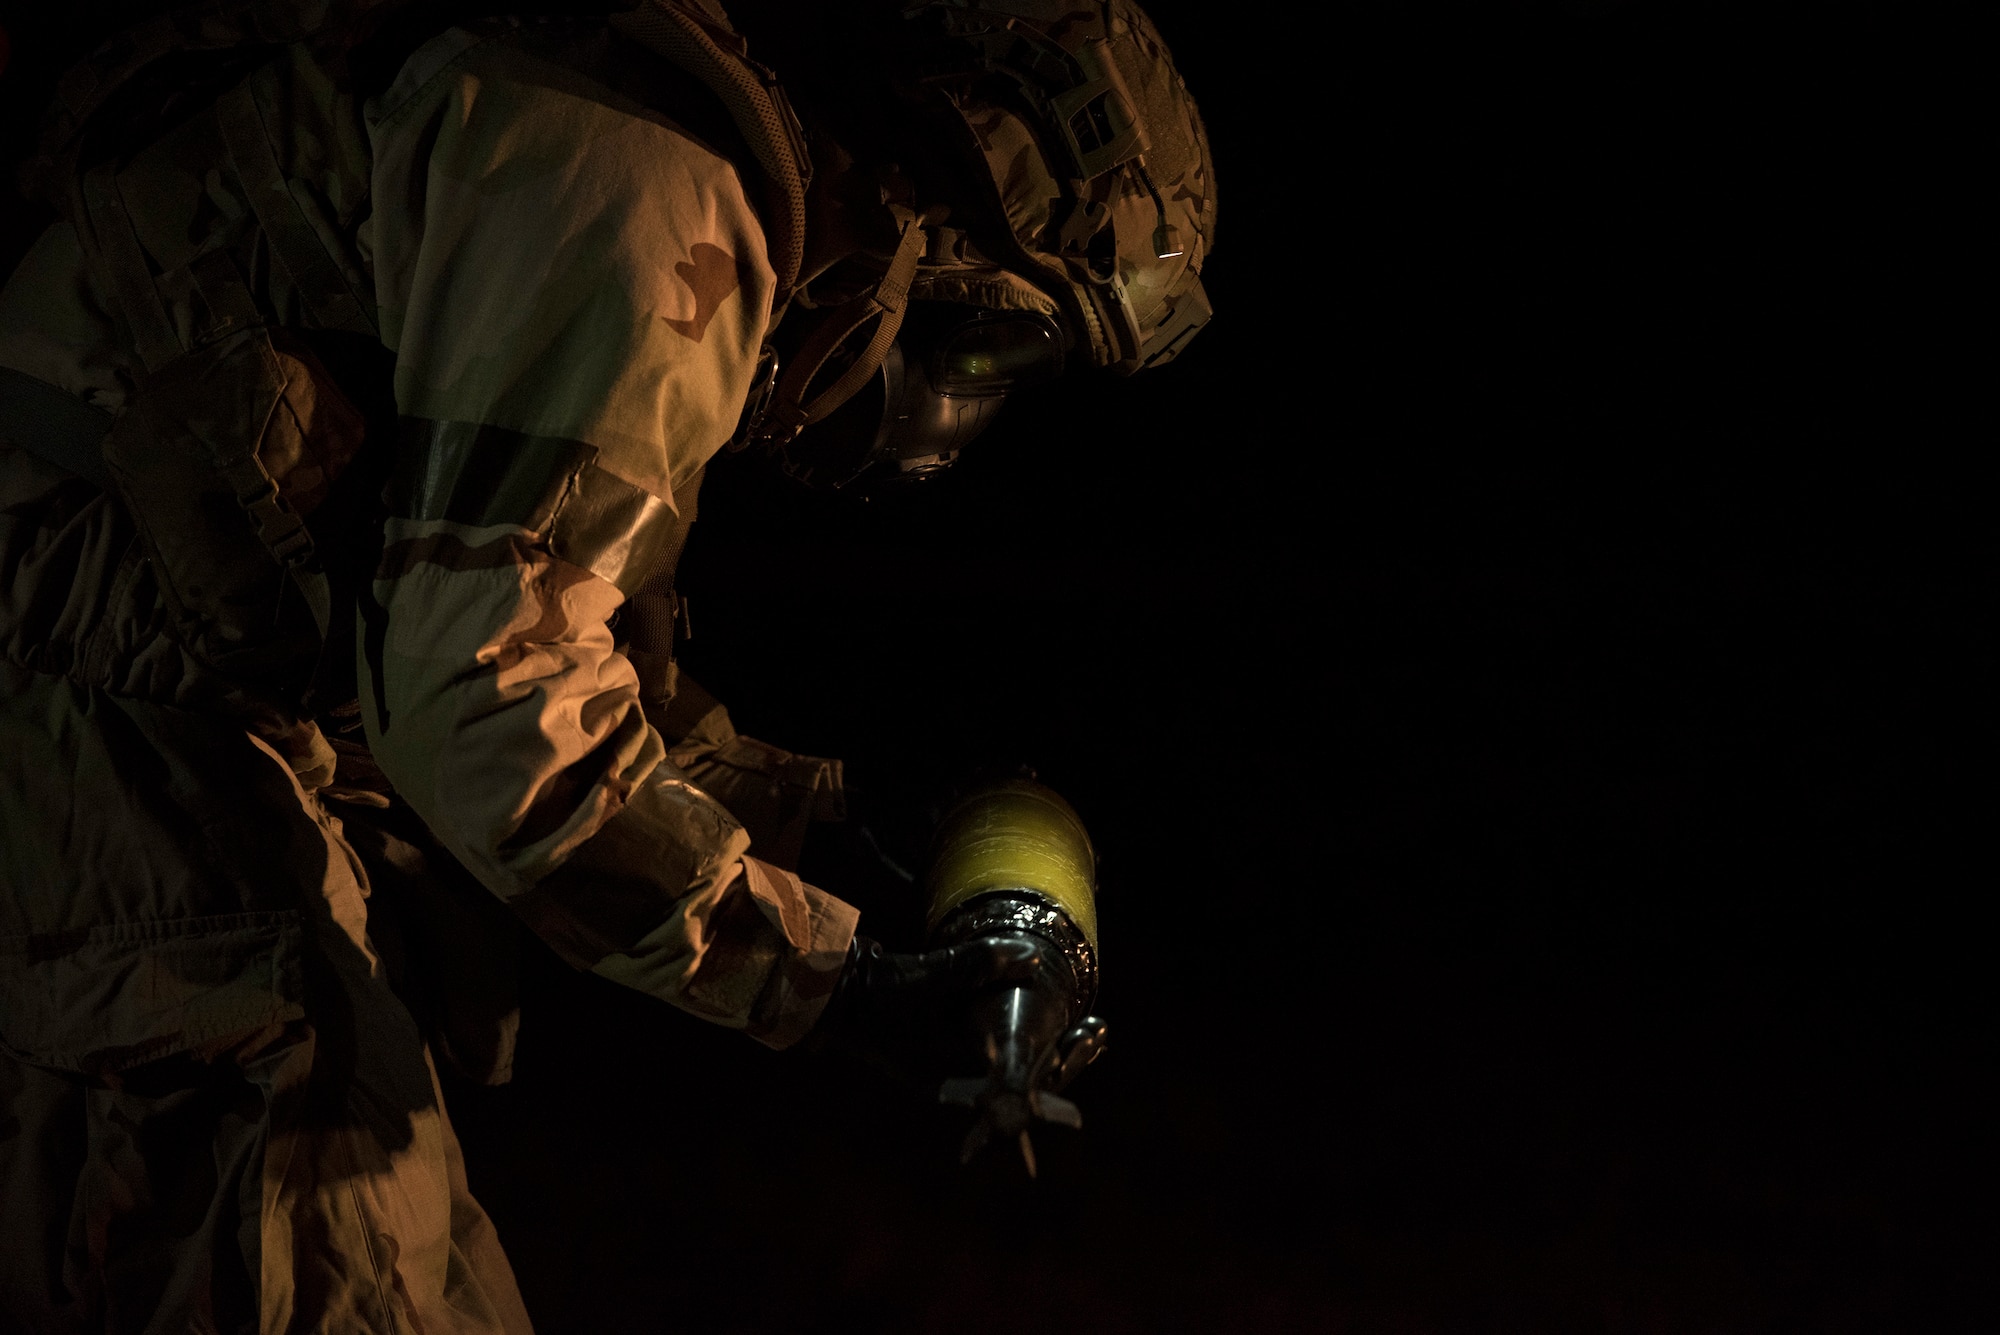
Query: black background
1519	669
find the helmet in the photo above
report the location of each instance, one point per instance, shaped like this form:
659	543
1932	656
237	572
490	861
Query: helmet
1045	200
1098	163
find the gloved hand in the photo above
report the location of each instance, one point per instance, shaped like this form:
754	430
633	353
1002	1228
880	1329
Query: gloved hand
903	1009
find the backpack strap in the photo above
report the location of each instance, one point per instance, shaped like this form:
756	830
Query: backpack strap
53	426
112	248
102	97
336	299
115	254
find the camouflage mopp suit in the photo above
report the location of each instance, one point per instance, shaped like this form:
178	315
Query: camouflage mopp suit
447	353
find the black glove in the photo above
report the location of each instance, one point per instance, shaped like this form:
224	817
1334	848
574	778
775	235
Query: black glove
905	1009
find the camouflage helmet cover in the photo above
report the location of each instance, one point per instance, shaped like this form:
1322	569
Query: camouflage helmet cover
1099	162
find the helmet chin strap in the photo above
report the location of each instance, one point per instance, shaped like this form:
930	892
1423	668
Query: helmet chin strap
889	299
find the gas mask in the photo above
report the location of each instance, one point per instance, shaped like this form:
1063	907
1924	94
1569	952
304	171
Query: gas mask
1065	147
941	383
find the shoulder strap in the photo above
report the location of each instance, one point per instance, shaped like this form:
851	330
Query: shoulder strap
53	426
104	229
338	300
128	81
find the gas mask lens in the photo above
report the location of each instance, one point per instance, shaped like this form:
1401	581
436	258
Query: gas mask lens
996	354
943	381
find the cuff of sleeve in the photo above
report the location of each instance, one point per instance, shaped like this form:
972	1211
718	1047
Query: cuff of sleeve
818	928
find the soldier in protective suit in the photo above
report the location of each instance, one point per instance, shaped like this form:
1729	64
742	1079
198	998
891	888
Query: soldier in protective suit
351	422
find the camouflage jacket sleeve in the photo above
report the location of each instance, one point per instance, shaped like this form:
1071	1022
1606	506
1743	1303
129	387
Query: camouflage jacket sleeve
575	290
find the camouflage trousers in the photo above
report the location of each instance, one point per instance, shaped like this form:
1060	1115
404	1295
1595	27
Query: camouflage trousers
300	1177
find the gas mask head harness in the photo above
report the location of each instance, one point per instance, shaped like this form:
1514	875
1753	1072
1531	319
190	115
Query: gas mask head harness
1057	212
941	381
